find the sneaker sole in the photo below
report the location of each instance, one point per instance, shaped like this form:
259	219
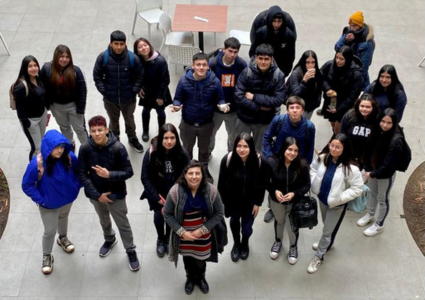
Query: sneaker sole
137	150
377	232
292	263
51	270
134	270
274	258
365	224
63	247
112	246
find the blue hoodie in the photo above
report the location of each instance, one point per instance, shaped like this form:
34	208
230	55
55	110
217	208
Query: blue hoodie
62	186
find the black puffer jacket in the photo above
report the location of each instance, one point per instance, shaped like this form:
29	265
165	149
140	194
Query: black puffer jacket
347	87
310	91
117	81
282	41
114	157
31	105
55	95
156	81
267	93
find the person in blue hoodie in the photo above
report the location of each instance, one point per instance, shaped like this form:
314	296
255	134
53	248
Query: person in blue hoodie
198	92
51	182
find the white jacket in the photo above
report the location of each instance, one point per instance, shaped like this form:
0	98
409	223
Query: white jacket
339	193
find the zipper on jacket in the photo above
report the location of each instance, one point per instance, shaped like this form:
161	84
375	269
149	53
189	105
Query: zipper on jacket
119	79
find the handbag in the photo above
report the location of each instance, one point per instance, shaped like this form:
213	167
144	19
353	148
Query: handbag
221	235
358	205
304	212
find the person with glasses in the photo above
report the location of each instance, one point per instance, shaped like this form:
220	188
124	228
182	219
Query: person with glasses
336	180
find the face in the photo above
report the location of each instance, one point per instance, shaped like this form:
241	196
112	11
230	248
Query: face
200	68
57	152
277	23
32	69
242	149
340	60
230	54
118	47
263	62
386	123
64	60
365	108
310	63
385	79
354	27
295	112
291	153
169	140
98	134
143	49
193	177
336	148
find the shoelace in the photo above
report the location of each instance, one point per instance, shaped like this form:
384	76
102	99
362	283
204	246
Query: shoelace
65	242
132	256
46	260
293	252
276	247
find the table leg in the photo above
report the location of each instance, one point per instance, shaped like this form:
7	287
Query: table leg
201	40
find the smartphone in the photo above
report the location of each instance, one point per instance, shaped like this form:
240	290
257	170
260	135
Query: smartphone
112	197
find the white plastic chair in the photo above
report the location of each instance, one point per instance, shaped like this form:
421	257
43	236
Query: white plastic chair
241	35
420	64
181	55
148	10
4	43
171	37
207	2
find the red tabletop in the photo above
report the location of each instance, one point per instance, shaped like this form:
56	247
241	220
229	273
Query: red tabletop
215	14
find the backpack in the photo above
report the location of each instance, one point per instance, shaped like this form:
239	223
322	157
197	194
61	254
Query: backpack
106	58
405	157
213	61
275	74
12	97
40	166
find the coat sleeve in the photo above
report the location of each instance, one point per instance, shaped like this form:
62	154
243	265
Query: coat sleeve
82	91
139	73
74	163
263	177
241	89
178	95
388	167
218	213
341	42
268	137
20	95
169	208
355	189
400	103
29	182
276	99
222	183
298	87
127	169
325	71
164	79
84	169
344	124
98	74
356	88
221	99
304	184
150	190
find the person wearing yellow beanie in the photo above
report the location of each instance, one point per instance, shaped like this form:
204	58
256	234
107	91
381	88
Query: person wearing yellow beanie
357	19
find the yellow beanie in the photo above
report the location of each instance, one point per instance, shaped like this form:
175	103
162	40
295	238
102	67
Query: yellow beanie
357	18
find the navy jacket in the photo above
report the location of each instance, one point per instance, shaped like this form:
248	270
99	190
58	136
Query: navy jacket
59	188
118	82
114	157
199	97
266	93
310	93
55	95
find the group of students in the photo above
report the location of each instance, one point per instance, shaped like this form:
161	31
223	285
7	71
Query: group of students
266	151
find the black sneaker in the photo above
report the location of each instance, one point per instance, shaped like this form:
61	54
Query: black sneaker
107	246
235	253
47	266
145	137
133	261
161	248
134	142
293	255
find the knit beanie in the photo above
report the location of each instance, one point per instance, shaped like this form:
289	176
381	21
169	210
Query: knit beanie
357	18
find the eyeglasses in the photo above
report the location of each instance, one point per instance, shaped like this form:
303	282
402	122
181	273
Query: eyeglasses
334	147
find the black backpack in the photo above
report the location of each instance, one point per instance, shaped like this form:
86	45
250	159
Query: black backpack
304	213
405	157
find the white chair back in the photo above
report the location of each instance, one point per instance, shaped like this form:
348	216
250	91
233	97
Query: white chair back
165	23
181	55
143	5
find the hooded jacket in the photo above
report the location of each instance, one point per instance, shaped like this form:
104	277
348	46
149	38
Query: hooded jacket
114	157
199	97
283	41
266	92
59	188
117	81
363	47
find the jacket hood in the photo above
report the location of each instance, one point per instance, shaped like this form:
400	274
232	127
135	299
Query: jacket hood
209	77
51	140
111	140
274	10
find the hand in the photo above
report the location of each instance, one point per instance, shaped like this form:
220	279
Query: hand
176	108
349	37
265	108
188	236
309	74
104	198
160	202
367	175
288	197
331	110
279	196
142	94
160	102
224	107
249	96
197	233
101	172
255	210
330	93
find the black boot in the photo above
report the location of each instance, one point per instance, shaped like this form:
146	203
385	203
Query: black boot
203	284
161	248
244	250
235	253
189	285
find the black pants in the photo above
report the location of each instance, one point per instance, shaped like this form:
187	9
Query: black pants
241	222
195	268
158	220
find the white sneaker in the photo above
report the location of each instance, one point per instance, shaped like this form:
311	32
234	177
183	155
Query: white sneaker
314	265
275	251
315	246
293	255
373	230
366	219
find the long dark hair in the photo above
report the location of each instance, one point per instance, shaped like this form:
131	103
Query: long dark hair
193	164
23	72
63	159
68	82
348	54
391	90
251	163
136	43
302	64
297	163
176	154
346	158
355	114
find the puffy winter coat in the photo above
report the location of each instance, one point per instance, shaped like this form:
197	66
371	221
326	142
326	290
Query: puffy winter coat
311	94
